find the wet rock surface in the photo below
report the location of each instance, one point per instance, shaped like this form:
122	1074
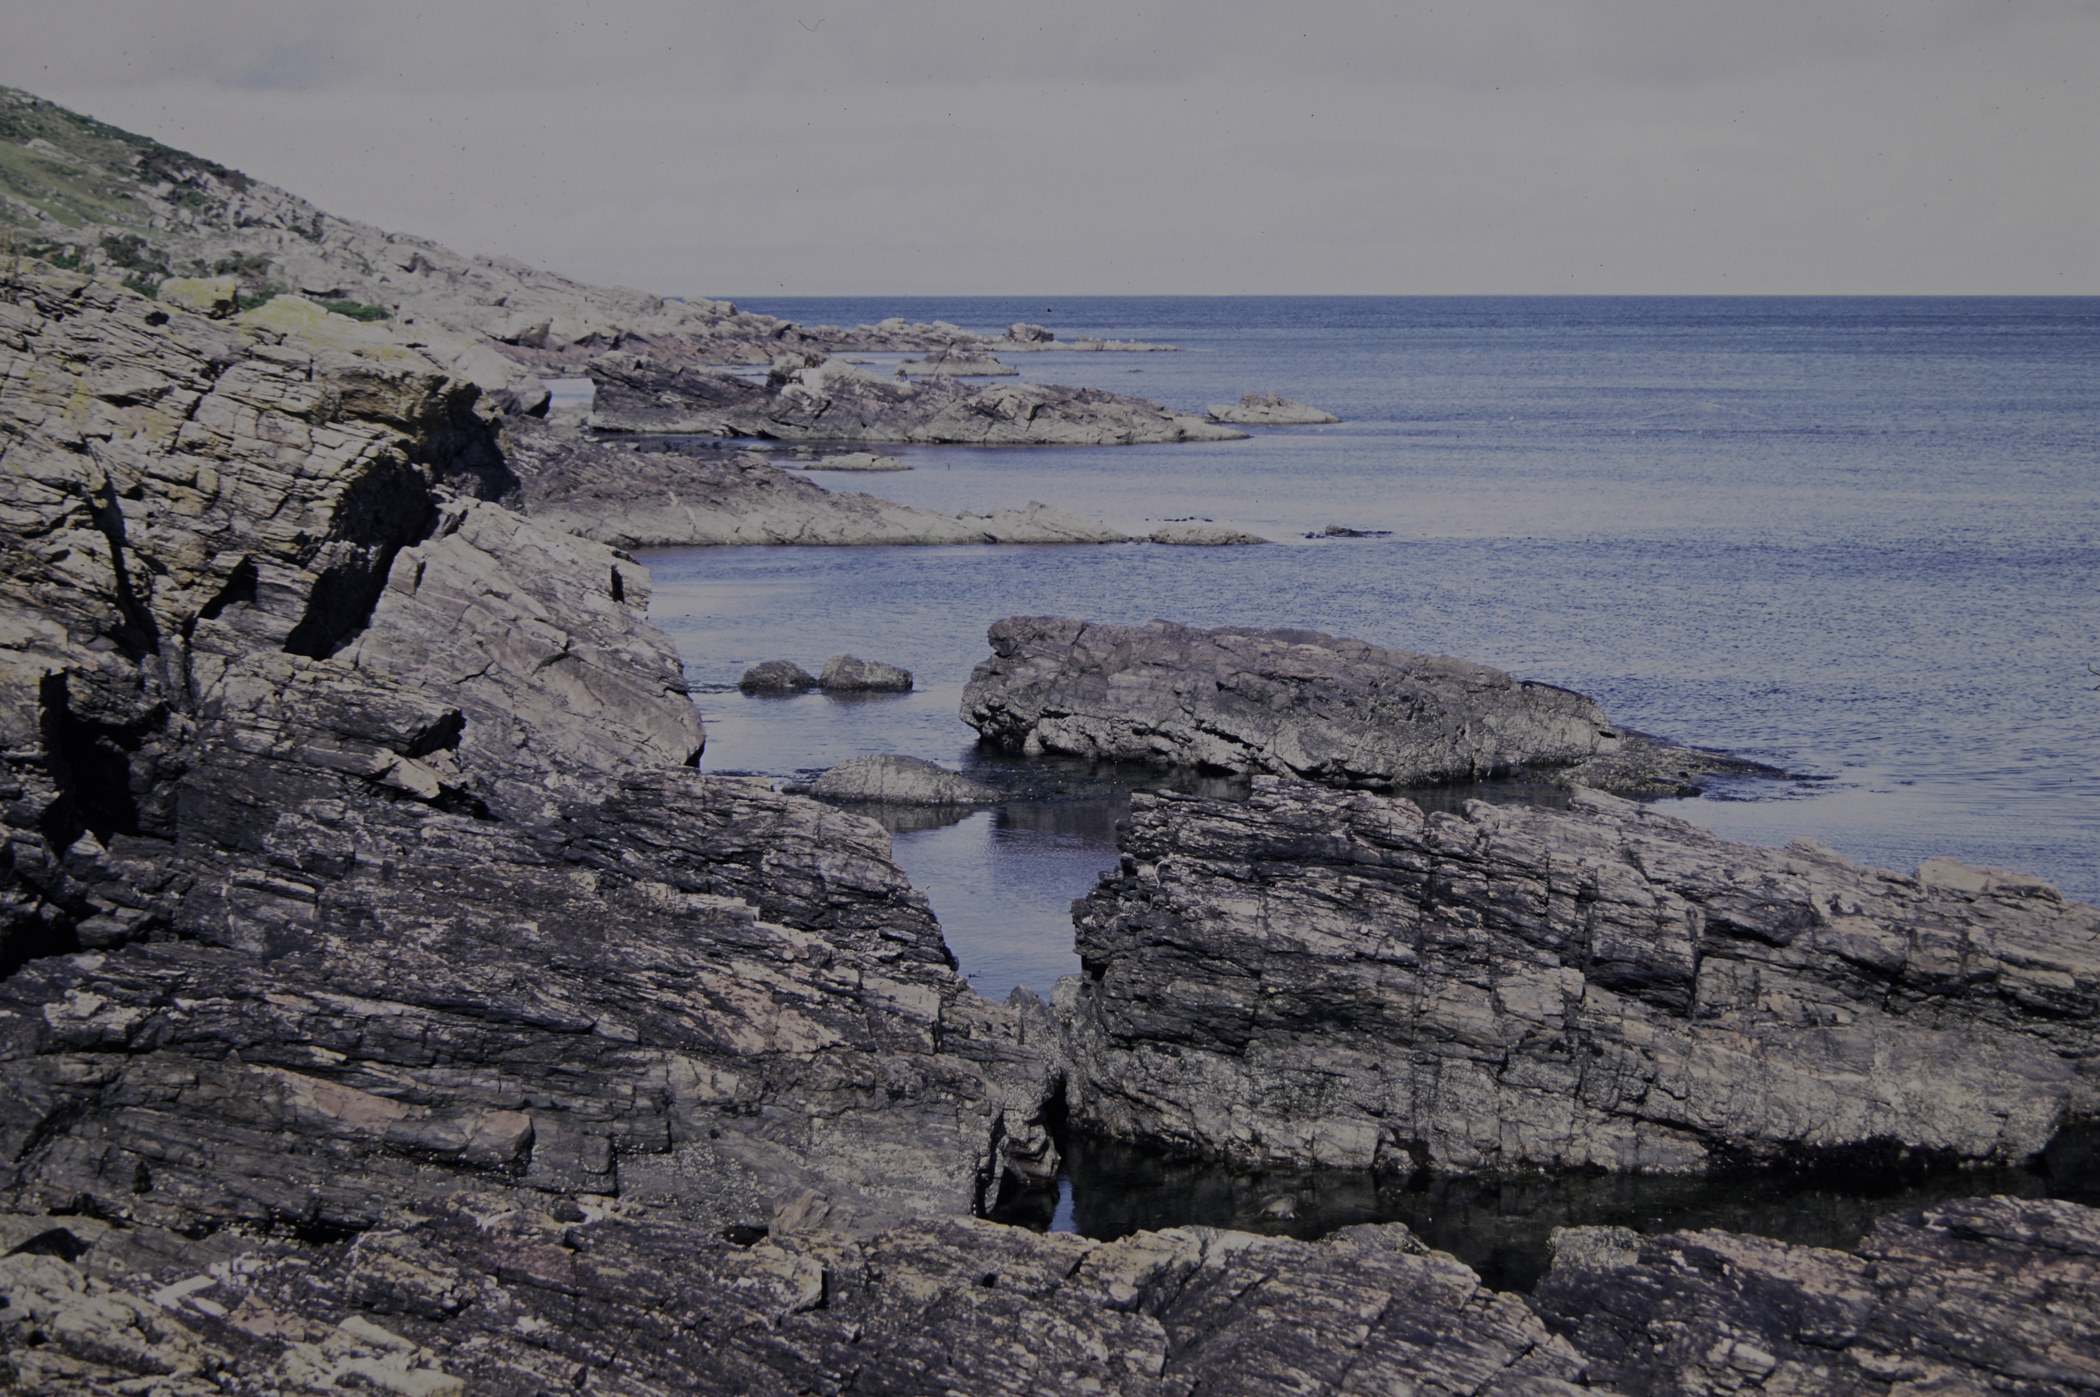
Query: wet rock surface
898	780
1315	976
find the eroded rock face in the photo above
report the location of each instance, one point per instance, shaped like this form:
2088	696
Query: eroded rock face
1979	1295
1324	977
1290	702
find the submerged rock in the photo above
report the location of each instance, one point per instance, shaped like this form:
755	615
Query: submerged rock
856	461
1269	410
1325	977
1285	701
957	366
849	674
776	677
899	780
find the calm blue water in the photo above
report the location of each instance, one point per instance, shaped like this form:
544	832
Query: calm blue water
1853	538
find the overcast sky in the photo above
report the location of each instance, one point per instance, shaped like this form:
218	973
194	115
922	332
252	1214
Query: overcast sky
816	147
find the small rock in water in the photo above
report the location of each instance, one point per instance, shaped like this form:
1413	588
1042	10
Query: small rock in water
1344	531
899	780
1269	410
851	674
776	677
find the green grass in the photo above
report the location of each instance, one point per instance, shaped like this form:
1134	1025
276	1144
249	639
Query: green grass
356	310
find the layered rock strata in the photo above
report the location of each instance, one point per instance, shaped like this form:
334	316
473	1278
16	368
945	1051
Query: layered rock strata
502	1298
1323	977
355	850
1980	1295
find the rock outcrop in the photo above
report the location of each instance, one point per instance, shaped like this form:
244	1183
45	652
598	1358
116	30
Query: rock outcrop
899	780
1317	976
850	674
1305	704
683	495
1269	410
1284	701
1980	1295
814	398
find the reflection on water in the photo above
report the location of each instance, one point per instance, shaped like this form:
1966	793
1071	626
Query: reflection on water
1500	1227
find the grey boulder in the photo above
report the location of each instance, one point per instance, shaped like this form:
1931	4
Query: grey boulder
849	674
776	677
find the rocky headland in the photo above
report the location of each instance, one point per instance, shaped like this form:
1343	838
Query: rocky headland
388	1001
1304	704
96	197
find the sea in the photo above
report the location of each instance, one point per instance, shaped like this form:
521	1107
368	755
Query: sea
1856	539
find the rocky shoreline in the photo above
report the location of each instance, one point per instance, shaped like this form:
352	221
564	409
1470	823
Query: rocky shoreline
389	999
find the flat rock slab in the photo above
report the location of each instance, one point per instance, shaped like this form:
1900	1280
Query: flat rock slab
1323	977
898	780
1289	702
